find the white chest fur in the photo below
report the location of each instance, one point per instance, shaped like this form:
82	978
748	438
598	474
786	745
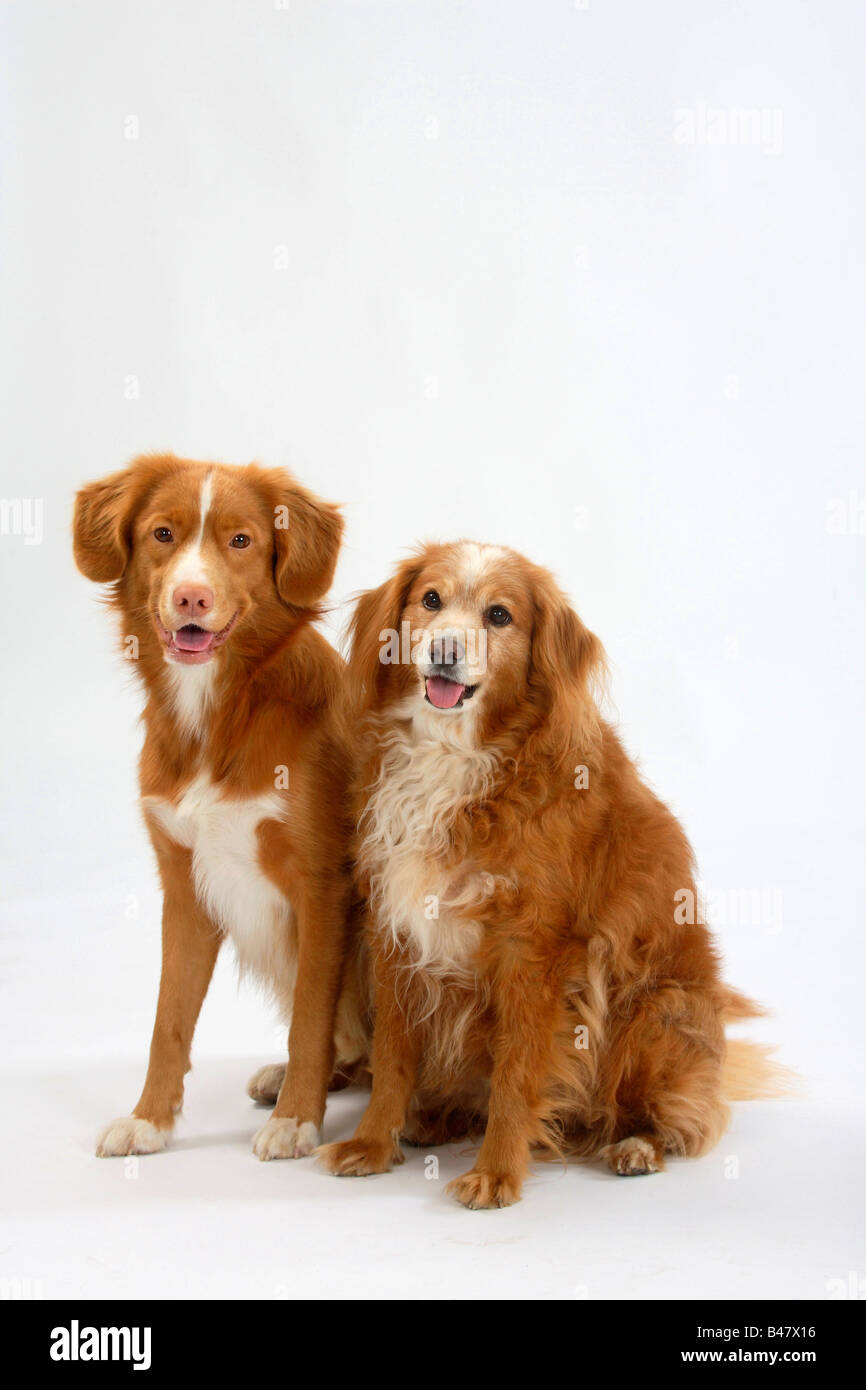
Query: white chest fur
229	883
422	784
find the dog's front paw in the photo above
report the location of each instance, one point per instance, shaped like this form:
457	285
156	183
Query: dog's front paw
281	1138
358	1158
130	1135
479	1190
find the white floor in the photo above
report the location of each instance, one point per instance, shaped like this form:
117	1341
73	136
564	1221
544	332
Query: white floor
206	1219
775	1211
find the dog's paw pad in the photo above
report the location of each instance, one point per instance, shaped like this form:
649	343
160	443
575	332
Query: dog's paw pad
633	1157
264	1085
285	1138
130	1135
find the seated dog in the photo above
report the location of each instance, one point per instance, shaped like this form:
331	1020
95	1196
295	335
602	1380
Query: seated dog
538	975
215	574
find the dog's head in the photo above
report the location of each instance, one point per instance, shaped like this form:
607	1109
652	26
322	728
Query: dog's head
202	555
475	638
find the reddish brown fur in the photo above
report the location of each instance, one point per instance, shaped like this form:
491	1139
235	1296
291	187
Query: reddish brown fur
578	932
279	702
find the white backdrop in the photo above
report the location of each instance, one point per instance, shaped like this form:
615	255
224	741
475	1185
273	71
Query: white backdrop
586	279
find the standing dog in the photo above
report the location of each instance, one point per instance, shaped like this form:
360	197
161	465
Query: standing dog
216	572
538	974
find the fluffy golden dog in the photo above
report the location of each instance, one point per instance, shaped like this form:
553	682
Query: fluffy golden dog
532	981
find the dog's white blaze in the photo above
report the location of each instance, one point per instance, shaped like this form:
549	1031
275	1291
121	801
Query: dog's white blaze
474	561
190	567
191	692
205	504
460	619
229	881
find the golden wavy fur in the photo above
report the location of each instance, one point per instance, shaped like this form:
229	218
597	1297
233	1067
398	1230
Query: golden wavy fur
531	981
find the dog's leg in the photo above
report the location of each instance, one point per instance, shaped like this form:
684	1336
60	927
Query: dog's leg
293	1129
351	1030
427	1129
376	1144
190	943
526	1008
661	1082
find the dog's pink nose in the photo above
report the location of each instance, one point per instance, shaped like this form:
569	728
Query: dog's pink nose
192	600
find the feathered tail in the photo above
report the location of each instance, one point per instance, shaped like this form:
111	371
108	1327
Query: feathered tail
749	1071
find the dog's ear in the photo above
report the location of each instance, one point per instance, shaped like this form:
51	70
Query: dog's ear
103	516
375	619
567	659
307	534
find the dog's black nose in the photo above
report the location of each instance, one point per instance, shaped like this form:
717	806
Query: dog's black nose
447	650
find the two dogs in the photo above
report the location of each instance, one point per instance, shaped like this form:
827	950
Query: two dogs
438	858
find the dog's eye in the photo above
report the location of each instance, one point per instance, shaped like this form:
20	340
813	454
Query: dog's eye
432	600
240	541
498	616
162	533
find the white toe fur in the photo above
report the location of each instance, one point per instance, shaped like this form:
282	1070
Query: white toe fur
264	1085
130	1135
285	1139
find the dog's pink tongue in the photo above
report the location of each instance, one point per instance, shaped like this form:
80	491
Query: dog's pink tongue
442	693
192	639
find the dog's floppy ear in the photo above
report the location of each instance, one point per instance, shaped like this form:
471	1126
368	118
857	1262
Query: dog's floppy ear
567	659
102	520
377	616
307	534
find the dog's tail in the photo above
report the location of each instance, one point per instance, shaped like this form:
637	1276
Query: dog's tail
749	1071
